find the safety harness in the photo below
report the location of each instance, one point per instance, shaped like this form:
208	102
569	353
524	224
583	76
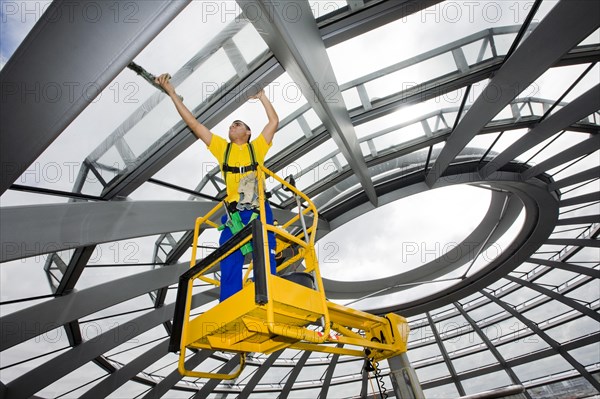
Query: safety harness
234	169
234	219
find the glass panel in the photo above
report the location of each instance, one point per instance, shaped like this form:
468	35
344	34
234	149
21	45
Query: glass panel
587	293
321	9
575	387
590	80
75	382
485	311
476	360
546	311
18	198
565	141
348	390
581	210
585	163
432	372
486	382
417	355
427	29
508	138
555	278
588	355
510	328
410	77
133	389
462	342
520	296
304	393
574	329
136	345
186	170
106	319
522	346
586	254
479	145
541	368
554	82
47	345
23	278
443	392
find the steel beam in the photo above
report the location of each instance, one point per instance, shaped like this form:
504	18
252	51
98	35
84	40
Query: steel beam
578	242
578	220
91	54
444	352
289	383
174	377
557	296
298	46
585	147
558	348
491	347
110	384
573	112
592	173
35	320
37	229
329	374
566	25
258	374
211	384
588	271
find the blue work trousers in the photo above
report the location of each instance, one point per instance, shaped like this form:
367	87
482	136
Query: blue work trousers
232	266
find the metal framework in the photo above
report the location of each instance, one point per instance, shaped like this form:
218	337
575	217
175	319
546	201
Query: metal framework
363	174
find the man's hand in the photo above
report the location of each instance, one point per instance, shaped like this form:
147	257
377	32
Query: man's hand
258	95
164	81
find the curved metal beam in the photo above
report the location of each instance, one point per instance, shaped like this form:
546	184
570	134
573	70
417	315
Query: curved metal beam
444	264
541	210
567	24
298	46
91	52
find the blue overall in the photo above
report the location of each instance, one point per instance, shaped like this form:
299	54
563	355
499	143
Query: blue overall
232	266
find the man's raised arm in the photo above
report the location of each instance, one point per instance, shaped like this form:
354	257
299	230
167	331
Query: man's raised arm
271	126
197	128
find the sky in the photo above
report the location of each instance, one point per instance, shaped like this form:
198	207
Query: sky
342	252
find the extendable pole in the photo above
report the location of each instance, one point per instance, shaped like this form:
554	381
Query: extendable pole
404	378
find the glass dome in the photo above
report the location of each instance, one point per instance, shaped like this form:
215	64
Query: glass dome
451	148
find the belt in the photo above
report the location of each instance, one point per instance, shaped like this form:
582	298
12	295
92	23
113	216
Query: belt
241	169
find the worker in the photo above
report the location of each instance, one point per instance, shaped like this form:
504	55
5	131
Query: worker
238	160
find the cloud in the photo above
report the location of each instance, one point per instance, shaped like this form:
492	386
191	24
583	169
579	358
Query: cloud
17	19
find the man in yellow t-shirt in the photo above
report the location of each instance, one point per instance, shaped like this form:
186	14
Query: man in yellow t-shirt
242	159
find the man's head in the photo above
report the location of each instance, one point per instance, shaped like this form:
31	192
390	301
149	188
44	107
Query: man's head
239	132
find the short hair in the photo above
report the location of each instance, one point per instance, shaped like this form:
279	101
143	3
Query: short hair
243	123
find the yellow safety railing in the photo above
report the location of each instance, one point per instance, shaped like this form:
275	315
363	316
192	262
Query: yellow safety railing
285	319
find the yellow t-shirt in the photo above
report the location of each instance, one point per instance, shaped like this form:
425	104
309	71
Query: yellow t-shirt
238	156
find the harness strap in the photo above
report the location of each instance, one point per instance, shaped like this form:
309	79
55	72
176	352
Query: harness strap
234	169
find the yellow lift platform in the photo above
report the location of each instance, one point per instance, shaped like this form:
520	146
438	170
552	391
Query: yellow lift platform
274	312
